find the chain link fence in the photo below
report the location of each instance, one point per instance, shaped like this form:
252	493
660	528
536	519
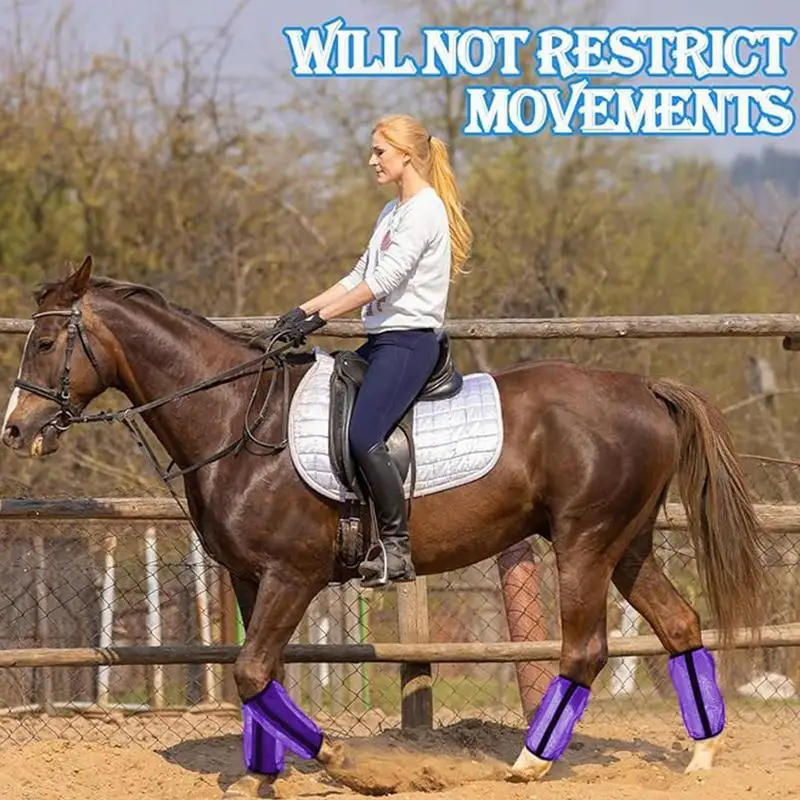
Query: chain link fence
101	584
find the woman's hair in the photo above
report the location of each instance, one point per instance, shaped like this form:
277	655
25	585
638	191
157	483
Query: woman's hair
429	157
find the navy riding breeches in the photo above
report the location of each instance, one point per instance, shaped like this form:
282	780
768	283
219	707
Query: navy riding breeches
400	363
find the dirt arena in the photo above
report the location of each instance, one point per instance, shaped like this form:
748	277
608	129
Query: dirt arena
151	758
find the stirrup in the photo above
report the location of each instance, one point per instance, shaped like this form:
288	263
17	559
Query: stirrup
383	579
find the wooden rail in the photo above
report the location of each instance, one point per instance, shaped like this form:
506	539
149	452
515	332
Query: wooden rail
782	518
787	635
620	327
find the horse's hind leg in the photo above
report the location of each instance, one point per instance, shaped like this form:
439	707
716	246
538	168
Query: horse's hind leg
584	573
641	581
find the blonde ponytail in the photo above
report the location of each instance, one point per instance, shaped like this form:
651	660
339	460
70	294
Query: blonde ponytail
429	157
443	181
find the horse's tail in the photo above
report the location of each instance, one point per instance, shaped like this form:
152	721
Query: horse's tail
720	515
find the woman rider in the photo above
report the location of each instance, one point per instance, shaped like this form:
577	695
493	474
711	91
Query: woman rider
401	282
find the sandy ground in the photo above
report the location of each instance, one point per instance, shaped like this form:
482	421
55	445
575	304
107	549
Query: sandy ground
163	759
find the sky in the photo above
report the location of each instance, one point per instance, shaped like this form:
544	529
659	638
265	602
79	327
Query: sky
258	47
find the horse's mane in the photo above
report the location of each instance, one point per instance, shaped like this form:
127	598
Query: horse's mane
126	289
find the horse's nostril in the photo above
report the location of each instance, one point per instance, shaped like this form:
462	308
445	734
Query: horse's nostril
11	435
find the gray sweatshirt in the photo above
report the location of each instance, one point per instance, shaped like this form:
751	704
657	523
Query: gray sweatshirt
406	265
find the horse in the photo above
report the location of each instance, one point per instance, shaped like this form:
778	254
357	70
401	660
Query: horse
585	460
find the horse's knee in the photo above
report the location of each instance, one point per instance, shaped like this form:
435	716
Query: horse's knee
584	662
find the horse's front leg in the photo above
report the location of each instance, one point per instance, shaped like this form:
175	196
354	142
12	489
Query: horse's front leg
272	722
271	751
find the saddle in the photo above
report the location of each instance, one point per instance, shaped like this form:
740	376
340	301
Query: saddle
347	376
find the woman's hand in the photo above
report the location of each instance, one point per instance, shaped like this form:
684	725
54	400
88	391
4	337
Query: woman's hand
284	322
290	318
296	333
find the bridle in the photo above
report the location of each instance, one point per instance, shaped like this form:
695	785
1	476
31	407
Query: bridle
67	415
75	330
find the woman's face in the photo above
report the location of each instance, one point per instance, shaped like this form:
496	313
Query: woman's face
387	161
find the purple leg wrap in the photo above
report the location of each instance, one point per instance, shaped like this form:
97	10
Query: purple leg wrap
699	697
263	753
555	719
279	715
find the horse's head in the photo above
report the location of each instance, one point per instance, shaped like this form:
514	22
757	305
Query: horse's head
64	367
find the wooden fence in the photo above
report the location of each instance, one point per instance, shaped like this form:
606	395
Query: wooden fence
773	518
681	326
414	652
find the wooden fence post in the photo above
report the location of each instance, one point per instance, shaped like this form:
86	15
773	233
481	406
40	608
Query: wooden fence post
43	677
416	684
107	600
153	600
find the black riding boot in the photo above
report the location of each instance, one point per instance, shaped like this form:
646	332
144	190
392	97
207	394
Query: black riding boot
386	490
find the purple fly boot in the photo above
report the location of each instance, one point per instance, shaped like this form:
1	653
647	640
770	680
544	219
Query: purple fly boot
274	711
694	678
262	751
702	706
551	729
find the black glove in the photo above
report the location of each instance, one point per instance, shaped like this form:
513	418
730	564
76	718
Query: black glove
284	322
297	332
290	318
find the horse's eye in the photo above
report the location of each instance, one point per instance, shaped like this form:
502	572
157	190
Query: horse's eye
44	345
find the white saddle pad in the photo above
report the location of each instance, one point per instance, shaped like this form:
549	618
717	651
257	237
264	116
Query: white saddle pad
456	440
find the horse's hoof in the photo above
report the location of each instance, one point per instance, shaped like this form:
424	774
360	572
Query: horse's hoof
703	756
331	754
247	787
338	764
528	767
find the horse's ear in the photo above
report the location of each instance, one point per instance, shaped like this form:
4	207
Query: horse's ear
78	282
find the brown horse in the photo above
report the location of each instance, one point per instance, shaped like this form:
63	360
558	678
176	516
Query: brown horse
587	458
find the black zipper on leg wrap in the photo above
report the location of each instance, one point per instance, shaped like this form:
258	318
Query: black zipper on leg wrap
548	731
698	697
